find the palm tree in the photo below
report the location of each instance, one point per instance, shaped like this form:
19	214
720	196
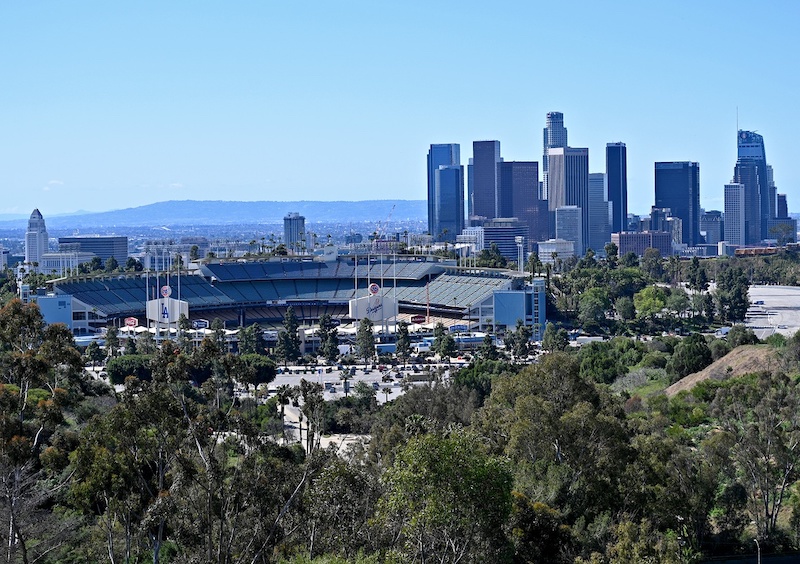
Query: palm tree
285	395
386	393
345	377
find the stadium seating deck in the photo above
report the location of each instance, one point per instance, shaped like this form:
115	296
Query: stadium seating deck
262	290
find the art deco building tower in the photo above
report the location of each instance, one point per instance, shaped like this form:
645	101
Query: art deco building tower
35	238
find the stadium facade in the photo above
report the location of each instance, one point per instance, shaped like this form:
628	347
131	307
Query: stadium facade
242	293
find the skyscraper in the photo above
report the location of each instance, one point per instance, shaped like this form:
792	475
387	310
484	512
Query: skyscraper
569	184
485	180
617	182
35	238
678	188
448	216
294	230
751	171
554	135
442	154
599	213
519	197
735	213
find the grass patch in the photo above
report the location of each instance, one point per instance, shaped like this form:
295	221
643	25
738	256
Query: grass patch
642	381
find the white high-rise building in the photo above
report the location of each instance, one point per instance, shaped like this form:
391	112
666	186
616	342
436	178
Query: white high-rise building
569	186
294	232
555	135
36	238
735	227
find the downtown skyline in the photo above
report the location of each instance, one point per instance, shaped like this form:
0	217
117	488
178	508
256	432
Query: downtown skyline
114	107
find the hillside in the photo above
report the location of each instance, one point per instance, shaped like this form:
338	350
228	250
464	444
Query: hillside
742	360
201	212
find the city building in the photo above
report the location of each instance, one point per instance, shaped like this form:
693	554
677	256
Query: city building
735	214
639	242
658	218
600	210
554	135
782	230
439	154
617	185
503	231
569	226
527	305
552	249
484	189
678	188
448	209
751	171
472	236
294	231
103	247
569	184
519	189
711	226
36	239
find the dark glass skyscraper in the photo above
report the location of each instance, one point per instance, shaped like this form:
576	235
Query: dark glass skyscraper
448	203
678	188
617	183
519	197
442	154
485	180
751	171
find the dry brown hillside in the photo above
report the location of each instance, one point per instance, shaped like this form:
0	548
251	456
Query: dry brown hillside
742	360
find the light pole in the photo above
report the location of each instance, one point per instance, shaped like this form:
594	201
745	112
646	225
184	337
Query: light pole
519	240
758	546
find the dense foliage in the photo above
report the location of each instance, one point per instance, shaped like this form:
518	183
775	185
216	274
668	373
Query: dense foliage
578	456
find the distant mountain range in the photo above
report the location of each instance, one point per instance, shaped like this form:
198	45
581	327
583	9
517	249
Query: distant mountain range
197	212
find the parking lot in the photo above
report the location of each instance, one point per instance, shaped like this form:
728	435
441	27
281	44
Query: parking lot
774	309
388	383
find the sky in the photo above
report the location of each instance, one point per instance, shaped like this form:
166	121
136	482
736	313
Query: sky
109	105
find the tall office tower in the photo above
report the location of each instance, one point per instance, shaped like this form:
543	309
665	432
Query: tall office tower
448	193
617	182
294	230
35	238
735	216
485	181
773	193
569	184
783	209
470	182
751	170
569	227
441	154
600	210
555	135
678	188
519	197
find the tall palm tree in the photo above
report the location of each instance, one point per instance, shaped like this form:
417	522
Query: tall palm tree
285	395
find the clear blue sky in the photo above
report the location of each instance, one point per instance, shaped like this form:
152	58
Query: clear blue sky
106	105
